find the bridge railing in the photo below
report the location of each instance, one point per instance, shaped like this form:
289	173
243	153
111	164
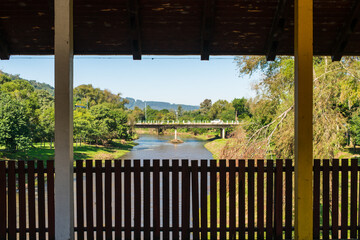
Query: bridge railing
239	199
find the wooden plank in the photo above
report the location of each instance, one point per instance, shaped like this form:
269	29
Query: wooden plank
251	199
118	200
204	196
326	199
260	199
207	28
344	197
11	201
79	199
278	199
41	199
156	199
195	197
108	200
31	200
223	213
147	199
99	199
213	199
89	201
175	198
353	212
3	200
137	200
22	200
51	199
241	201
269	198
335	200
166	201
127	199
135	28
185	204
288	198
316	201
232	202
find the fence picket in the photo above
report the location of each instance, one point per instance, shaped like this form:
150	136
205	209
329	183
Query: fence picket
3	200
353	212
127	202
195	197
51	200
326	199
79	199
288	198
223	213
175	199
137	200
269	198
156	199
335	200
99	199
41	199
11	201
89	201
22	200
204	196
213	199
241	197
251	199
118	200
260	199
146	199
344	198
166	199
232	203
108	200
316	200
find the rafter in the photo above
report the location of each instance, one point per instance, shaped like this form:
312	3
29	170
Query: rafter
207	28
4	49
276	30
135	35
345	32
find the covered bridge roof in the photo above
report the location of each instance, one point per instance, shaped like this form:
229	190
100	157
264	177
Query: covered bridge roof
179	27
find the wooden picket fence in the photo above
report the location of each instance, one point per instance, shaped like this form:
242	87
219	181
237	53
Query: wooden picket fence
207	199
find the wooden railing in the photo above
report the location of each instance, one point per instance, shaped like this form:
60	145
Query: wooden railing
242	199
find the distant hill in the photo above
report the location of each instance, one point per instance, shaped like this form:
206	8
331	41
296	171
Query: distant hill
157	105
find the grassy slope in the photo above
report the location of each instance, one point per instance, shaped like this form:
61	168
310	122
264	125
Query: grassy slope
86	151
215	147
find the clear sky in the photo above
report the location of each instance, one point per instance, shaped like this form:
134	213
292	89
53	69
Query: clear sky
180	80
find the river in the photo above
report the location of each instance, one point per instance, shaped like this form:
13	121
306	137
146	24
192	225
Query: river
159	147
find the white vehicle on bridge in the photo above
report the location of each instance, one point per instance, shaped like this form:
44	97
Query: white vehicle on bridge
217	121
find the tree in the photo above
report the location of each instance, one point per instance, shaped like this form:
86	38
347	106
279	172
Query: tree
241	107
205	106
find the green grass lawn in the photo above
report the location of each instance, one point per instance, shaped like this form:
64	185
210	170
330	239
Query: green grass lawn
85	151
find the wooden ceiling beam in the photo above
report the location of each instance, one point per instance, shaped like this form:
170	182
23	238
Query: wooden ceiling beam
348	28
4	48
135	29
277	29
207	28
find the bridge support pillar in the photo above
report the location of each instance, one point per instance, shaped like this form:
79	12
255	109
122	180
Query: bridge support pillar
223	133
160	131
175	133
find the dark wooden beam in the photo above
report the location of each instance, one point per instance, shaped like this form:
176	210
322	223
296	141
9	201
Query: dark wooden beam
207	28
277	29
4	48
135	30
345	32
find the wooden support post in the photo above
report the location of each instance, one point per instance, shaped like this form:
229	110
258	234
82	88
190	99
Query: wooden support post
303	119
64	179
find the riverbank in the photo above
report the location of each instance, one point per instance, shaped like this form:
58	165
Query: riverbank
115	150
216	146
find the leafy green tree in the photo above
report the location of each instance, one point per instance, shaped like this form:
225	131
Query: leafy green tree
241	107
205	106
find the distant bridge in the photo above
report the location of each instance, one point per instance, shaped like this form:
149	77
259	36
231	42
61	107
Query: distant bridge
162	125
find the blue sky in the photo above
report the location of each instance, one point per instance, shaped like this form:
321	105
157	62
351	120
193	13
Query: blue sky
180	80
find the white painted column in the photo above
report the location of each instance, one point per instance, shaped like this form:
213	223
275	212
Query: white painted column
64	179
223	133
175	134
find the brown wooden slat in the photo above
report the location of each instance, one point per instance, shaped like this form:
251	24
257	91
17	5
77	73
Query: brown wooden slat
137	199
251	199
278	199
353	212
11	201
51	199
213	199
326	199
147	199
31	199
269	198
22	200
359	212
185	207
260	199
41	199
344	197
335	200
195	197
166	200
316	200
79	200
108	200
89	201
3	215
222	199
175	199
127	199
241	201
232	196
288	199
204	190
156	199
118	200
99	199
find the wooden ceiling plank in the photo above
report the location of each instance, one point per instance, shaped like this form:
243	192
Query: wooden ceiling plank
207	28
277	29
135	29
4	48
345	32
